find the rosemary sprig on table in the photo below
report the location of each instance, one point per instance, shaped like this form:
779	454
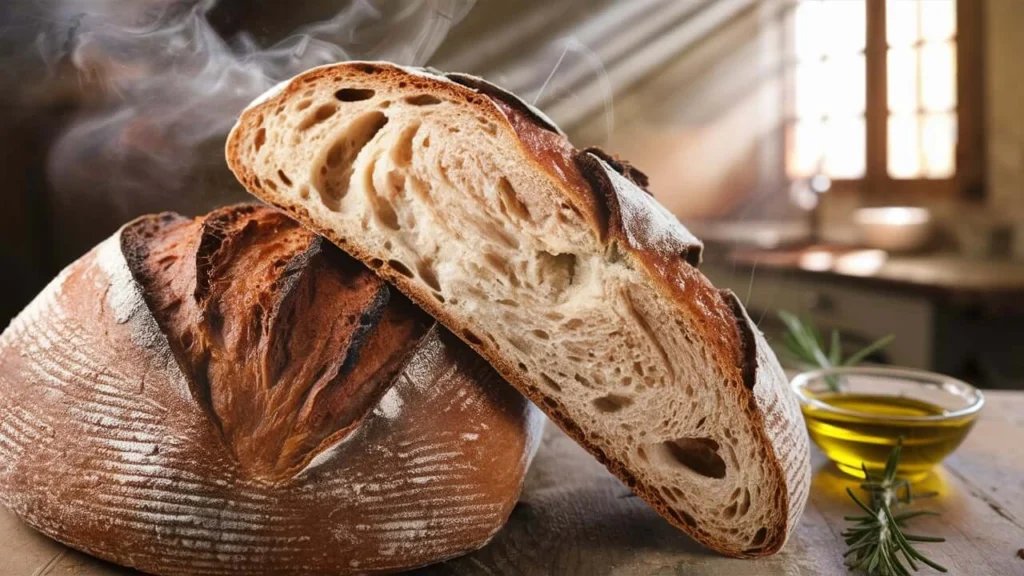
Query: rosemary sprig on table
876	540
804	343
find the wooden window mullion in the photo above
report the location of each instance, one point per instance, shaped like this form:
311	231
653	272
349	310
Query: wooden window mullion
876	104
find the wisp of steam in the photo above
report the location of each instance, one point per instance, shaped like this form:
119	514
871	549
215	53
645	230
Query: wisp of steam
164	86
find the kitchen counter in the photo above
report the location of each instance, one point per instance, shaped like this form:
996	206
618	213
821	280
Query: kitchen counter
575	518
951	277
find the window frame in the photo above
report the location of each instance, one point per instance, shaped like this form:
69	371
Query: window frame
968	179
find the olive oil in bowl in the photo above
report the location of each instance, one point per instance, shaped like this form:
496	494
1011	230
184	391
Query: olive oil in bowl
856	415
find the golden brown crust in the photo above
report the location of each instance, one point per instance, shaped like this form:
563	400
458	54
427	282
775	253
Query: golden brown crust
106	448
234	290
632	225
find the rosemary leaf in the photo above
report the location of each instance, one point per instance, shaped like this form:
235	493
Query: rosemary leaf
876	542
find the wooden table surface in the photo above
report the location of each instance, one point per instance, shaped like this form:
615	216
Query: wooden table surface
575	518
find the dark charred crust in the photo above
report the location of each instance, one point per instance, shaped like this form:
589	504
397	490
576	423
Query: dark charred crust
287	342
621	166
748	344
692	255
494	91
368	320
608	212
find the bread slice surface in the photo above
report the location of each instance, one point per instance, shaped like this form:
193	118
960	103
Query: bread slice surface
559	268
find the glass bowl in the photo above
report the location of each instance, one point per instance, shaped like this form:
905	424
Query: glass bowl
857	414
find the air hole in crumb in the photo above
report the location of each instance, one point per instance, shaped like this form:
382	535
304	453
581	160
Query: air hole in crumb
403	84
186	340
304	192
642	453
472	338
683	517
400	268
303	105
509	201
322	113
745	505
509	303
573	324
336	168
730	511
551	403
375	263
261	139
556	270
541	334
638	368
582	380
384	211
422	100
387	245
550	382
354	94
699	455
612	403
701	422
284	178
438	297
384	104
759	537
426	272
401	151
271	185
523	367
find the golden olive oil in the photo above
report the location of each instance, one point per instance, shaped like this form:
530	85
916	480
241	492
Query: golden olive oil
874	426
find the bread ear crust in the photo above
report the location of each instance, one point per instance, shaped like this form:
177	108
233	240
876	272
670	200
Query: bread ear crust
108	445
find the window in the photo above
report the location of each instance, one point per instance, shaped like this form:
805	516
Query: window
873	94
827	131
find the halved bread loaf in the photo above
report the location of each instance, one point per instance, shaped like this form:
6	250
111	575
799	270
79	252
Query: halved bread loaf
557	267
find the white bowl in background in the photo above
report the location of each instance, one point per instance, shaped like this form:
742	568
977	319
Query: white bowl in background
894	228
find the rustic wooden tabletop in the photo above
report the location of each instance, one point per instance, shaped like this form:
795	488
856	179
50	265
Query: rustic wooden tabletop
575	518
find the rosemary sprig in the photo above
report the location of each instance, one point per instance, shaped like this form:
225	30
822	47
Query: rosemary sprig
805	345
876	541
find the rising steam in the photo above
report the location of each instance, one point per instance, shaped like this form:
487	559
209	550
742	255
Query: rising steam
163	87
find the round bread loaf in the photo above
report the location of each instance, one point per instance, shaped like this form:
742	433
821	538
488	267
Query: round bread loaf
232	395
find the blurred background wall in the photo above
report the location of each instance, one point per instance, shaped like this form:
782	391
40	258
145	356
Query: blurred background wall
763	125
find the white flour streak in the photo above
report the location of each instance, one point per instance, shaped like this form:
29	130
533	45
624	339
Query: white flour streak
390	405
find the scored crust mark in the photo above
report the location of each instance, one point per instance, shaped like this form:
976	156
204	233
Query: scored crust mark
231	291
621	166
528	246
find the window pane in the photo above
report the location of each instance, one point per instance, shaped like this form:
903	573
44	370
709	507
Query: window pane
938	77
803	145
807	30
903	141
843	26
938	135
938	19
901	22
844	85
808	100
902	80
844	148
